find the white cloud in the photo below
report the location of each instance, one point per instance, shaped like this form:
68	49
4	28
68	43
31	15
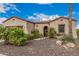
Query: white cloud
4	7
50	4
14	7
77	26
52	17
73	12
42	17
31	17
44	3
2	19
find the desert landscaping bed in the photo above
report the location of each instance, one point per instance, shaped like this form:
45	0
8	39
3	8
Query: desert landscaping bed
46	47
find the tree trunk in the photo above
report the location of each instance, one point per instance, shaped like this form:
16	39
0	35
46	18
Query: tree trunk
70	19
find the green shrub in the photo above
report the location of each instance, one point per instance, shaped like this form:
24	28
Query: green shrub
29	37
52	33
77	32
58	34
35	34
16	36
4	33
67	39
2	30
20	41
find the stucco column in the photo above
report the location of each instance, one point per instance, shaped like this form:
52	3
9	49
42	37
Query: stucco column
74	34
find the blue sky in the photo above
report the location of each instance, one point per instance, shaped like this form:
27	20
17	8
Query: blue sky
35	11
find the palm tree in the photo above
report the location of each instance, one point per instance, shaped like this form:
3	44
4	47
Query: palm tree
70	19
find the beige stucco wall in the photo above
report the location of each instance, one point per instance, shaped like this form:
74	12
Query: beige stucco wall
30	27
54	24
74	30
40	27
16	22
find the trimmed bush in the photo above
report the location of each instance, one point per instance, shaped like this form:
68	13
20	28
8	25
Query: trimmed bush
67	39
35	34
52	33
16	36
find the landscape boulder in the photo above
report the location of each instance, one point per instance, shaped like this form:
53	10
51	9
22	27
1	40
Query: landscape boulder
70	44
59	42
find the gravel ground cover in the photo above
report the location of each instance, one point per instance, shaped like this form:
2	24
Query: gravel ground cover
45	47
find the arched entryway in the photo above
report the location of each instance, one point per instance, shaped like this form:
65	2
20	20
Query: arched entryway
45	31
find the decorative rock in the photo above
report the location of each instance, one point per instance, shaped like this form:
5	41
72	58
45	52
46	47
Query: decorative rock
2	40
70	44
58	42
65	47
39	39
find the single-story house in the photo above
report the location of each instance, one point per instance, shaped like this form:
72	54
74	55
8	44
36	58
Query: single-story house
61	25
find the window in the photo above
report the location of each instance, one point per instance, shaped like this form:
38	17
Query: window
61	28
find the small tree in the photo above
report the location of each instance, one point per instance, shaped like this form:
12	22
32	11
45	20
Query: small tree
52	33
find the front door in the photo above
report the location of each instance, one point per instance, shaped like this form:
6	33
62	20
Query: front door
45	31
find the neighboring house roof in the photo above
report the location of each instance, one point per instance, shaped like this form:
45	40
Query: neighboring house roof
17	18
39	21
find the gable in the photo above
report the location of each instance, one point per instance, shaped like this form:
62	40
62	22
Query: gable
14	21
59	20
17	19
62	18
